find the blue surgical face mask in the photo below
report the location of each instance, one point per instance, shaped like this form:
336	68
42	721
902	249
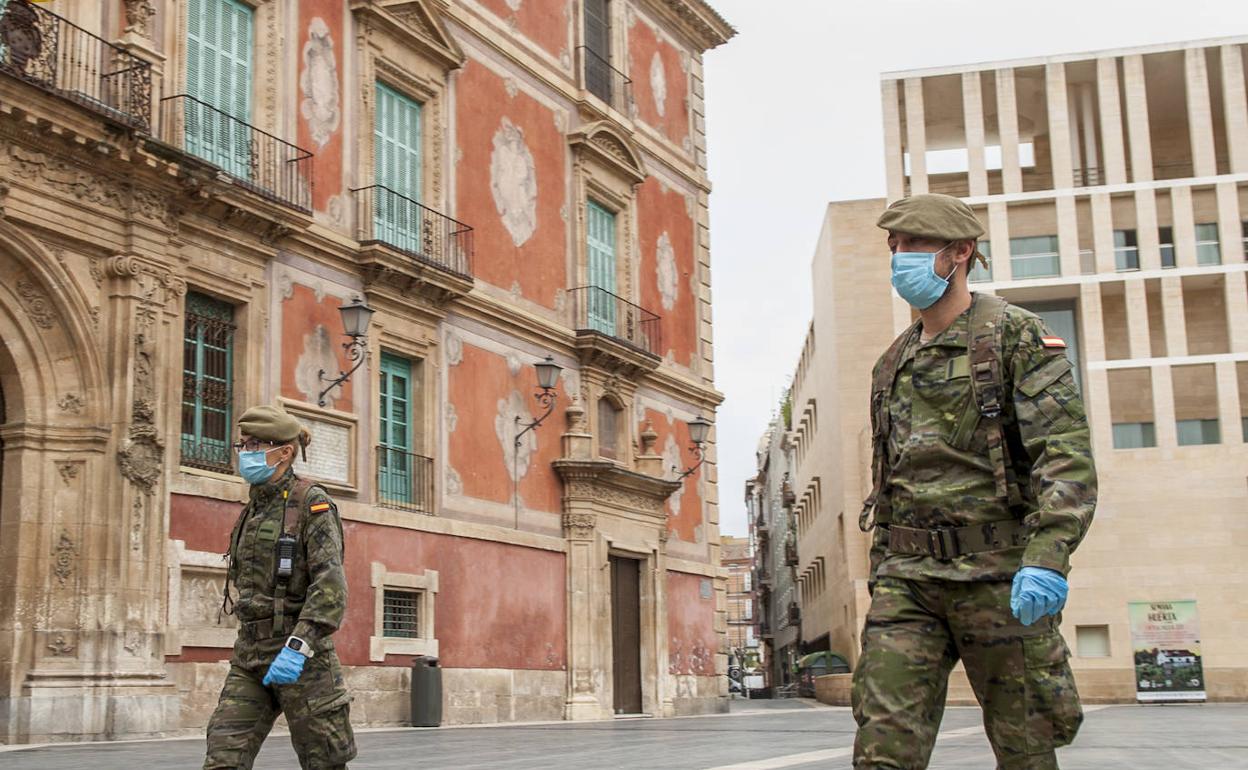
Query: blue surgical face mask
254	467
915	279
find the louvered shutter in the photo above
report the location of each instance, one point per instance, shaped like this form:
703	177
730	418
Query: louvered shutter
397	163
600	243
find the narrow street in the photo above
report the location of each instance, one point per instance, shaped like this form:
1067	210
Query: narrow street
759	735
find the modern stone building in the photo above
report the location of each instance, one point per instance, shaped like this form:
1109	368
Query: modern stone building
769	506
1114	189
189	192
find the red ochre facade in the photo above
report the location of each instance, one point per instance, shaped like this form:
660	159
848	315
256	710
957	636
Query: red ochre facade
690	625
672	121
685	515
325	142
545	22
302	317
666	212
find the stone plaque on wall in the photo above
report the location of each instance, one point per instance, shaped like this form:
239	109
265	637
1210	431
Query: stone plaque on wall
329	454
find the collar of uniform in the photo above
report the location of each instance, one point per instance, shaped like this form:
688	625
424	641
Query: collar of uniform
264	492
957	334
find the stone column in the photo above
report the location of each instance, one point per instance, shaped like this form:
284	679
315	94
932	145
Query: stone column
1173	316
1167	430
973	116
1230	228
999	230
1114	171
1007	130
1228	402
1184	227
1059	124
585	670
1146	229
1137	318
893	159
1236	293
1199	113
1137	118
1235	108
1102	233
916	135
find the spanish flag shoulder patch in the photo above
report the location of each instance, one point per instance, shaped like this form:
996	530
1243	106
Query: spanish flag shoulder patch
1053	342
319	507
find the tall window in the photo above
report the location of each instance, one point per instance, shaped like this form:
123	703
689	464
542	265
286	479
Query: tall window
598	49
1208	251
207	382
1126	250
600	245
1165	237
979	273
397	169
218	83
1035	257
394	453
608	429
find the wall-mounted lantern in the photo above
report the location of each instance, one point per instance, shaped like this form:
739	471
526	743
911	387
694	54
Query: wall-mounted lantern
547	378
355	319
699	431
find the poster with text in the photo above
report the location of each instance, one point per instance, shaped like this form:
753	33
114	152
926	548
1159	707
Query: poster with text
1165	642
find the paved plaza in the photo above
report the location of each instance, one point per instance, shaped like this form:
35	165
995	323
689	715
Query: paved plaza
759	735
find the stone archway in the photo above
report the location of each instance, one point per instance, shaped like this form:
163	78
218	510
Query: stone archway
74	641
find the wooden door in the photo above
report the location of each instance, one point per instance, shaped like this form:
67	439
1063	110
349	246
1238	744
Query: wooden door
626	634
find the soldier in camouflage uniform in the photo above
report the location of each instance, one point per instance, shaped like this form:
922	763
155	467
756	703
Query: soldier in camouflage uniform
984	485
285	560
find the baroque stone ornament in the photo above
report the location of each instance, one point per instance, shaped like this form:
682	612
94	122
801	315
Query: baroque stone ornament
516	458
71	402
658	84
319	83
318	356
666	271
60	647
139	15
68	471
63	554
513	182
36	304
579	526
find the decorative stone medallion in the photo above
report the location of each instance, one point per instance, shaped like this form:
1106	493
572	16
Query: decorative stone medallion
667	274
513	182
517	458
319	83
318	355
658	84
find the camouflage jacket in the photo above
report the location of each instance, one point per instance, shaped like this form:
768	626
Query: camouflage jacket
938	476
316	591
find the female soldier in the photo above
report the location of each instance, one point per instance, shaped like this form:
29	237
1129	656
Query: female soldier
285	560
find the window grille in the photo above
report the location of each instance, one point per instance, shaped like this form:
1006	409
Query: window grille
207	383
400	614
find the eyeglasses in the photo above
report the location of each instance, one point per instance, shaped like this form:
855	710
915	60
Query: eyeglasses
251	445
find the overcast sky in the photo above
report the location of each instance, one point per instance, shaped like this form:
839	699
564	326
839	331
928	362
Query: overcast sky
793	118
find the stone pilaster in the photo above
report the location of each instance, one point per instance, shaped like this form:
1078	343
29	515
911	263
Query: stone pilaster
916	135
1111	120
1007	129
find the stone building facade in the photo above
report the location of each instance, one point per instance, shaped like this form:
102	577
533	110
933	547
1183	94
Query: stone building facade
189	192
1114	190
769	505
738	563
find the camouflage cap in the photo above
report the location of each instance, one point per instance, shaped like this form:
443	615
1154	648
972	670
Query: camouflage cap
933	215
269	423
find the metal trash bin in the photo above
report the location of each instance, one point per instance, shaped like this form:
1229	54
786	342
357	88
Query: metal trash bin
426	693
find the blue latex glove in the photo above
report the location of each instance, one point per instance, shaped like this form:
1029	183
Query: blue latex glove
1037	592
285	668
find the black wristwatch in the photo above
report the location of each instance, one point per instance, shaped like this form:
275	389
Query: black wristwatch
300	646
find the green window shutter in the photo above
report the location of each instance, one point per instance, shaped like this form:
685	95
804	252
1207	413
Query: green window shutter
600	245
207	382
394	462
219	74
397	167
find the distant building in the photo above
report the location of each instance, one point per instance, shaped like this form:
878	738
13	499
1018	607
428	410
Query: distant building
769	501
738	561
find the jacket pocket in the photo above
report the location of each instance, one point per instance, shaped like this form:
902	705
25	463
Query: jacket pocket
1053	712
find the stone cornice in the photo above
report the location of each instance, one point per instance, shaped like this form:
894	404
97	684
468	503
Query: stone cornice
604	482
610	148
696	19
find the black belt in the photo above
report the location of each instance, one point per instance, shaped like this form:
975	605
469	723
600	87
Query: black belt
947	543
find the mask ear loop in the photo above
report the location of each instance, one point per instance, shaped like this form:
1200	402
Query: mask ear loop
955	267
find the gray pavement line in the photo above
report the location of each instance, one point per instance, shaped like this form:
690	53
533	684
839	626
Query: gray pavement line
807	757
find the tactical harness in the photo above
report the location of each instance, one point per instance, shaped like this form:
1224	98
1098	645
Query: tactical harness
984	343
296	497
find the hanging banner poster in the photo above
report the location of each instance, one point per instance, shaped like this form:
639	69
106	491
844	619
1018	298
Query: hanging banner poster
1165	642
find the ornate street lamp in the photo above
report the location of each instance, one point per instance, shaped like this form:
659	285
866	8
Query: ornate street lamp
355	319
699	430
547	378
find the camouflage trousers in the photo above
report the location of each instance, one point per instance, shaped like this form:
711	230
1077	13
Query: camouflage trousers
916	631
317	708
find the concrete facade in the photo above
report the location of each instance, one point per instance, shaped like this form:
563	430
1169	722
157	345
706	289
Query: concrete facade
1114	190
136	250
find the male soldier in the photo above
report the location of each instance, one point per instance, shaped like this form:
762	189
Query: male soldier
984	485
285	559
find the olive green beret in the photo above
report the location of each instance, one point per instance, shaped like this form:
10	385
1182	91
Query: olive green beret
932	215
269	423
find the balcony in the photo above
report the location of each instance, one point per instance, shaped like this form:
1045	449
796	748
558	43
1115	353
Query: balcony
790	554
795	614
602	80
256	160
404	480
614	333
417	231
57	56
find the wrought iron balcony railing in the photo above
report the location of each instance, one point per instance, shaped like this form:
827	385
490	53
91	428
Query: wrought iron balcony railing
404	480
54	54
601	311
268	166
604	81
385	216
